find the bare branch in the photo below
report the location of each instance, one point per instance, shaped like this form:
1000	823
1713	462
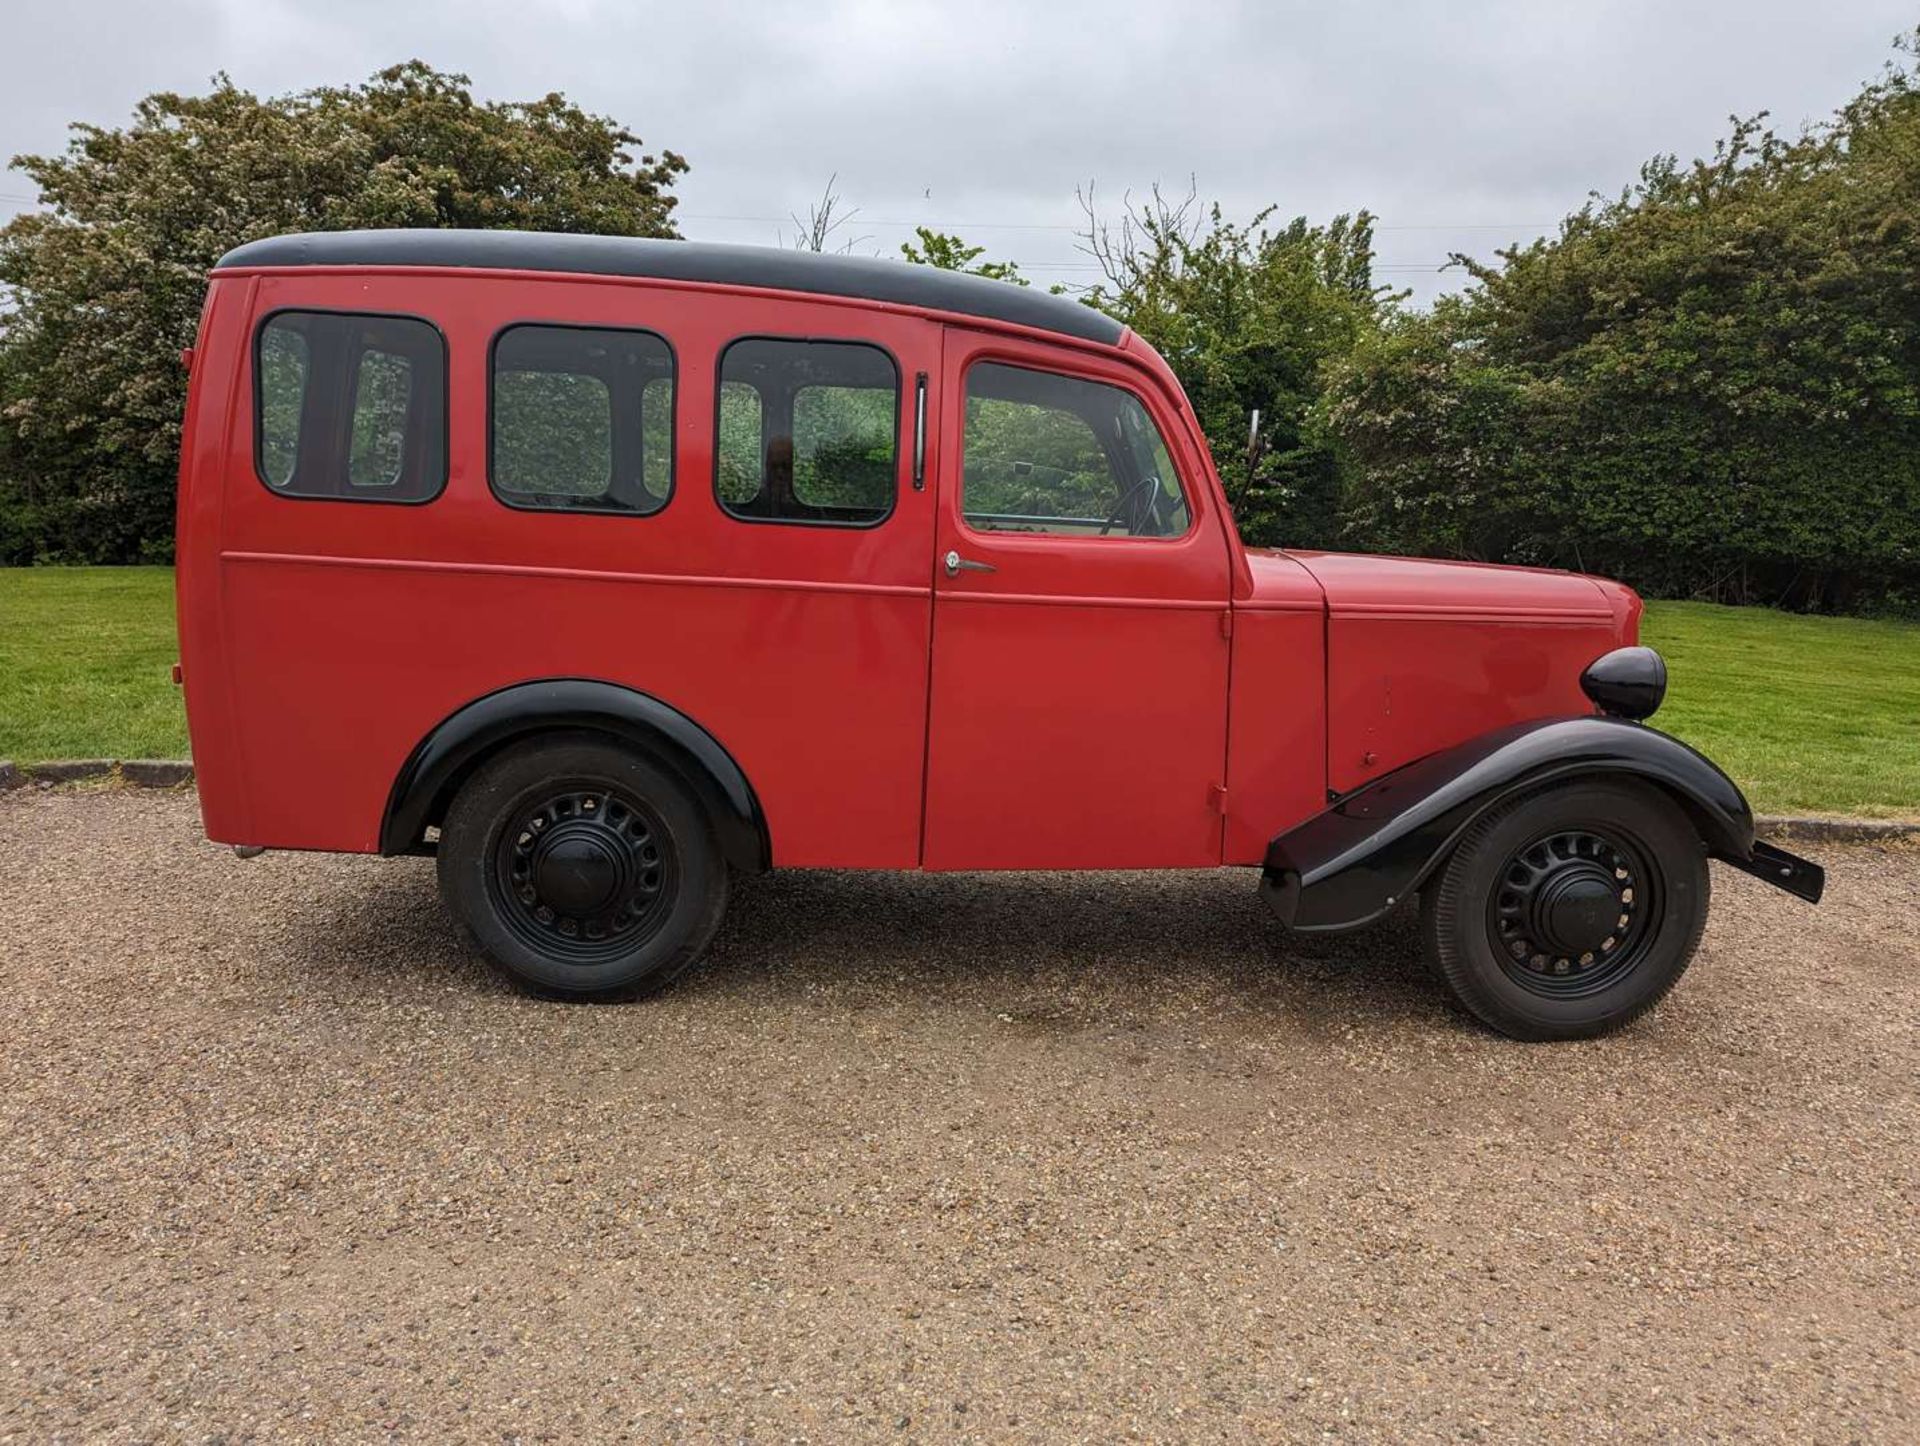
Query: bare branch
824	217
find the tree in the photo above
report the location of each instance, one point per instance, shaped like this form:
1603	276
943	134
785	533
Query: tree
950	253
1249	317
1708	384
106	284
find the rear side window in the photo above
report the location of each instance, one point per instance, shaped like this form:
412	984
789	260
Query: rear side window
582	419
350	407
808	432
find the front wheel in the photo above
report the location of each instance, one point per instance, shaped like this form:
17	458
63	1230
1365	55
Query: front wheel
1569	912
582	869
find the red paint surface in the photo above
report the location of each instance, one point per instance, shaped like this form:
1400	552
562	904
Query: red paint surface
1424	654
1078	716
1277	717
1088	704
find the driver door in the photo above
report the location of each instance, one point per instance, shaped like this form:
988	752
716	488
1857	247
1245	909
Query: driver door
1077	713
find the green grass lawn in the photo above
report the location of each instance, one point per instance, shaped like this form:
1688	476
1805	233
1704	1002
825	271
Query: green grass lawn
85	660
1810	715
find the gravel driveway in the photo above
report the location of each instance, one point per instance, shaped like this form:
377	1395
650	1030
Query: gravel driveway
926	1158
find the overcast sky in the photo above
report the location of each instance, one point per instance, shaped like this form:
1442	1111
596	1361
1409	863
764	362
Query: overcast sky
1462	125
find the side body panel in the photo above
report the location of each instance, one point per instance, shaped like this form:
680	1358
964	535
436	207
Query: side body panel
1423	655
1090	704
1079	688
1277	714
199	604
352	630
1399	689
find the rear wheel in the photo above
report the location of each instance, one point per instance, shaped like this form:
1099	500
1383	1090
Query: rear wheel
1569	912
581	869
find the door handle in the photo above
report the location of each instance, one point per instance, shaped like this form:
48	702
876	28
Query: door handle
956	564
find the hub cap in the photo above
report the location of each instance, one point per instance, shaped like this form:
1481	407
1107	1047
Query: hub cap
584	873
1572	912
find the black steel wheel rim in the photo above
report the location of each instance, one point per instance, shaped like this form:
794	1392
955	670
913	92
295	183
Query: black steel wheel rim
583	872
1574	911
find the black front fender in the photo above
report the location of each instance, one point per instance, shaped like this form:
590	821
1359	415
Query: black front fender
1353	863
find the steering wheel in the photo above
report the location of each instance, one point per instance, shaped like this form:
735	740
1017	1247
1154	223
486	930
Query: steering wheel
1150	485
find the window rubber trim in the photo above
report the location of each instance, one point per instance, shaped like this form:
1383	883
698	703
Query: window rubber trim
673	431
719	380
258	408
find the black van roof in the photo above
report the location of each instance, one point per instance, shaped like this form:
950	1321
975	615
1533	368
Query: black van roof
869	278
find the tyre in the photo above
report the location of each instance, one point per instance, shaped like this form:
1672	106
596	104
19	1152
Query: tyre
1569	912
582	869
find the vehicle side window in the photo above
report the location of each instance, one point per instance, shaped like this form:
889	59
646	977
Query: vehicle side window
582	419
1058	454
350	407
737	459
381	391
808	431
285	361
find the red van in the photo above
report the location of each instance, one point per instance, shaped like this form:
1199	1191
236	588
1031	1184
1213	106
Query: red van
600	568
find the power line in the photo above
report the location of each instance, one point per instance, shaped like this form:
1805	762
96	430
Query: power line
1024	225
856	219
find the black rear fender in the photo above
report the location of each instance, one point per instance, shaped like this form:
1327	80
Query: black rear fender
1351	864
448	755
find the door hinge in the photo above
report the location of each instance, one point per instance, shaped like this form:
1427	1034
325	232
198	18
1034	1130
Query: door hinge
1217	798
1226	623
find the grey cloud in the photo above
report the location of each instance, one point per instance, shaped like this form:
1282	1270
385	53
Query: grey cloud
1462	126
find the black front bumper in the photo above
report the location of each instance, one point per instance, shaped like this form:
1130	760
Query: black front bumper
1798	876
